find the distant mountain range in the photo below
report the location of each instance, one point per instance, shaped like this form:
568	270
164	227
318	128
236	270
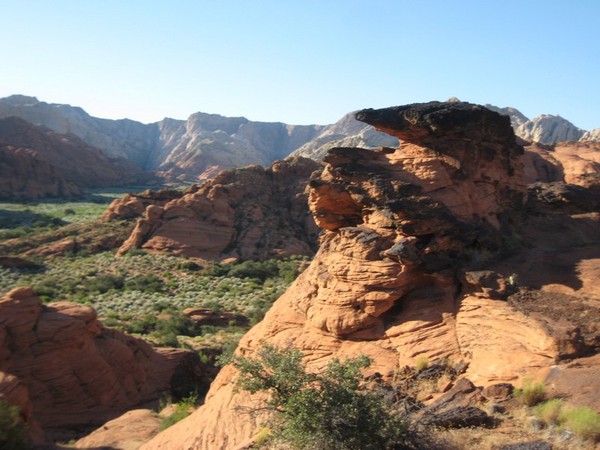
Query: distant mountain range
199	147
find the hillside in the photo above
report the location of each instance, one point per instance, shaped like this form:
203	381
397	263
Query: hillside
36	162
190	150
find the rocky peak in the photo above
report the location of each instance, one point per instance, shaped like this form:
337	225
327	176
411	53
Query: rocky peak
547	129
592	135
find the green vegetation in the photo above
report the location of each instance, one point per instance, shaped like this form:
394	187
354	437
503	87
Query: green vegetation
421	363
328	410
13	431
181	411
582	421
145	294
531	393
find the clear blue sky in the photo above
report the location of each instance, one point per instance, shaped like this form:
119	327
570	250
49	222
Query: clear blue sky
302	61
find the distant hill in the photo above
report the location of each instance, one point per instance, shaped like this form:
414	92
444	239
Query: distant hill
36	162
199	147
188	150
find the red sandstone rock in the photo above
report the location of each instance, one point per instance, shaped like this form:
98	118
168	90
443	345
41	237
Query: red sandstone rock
248	213
395	277
126	432
36	162
71	370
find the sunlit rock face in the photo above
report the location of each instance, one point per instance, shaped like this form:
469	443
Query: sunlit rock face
247	213
420	248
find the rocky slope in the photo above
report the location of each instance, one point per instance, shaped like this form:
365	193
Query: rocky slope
420	249
195	149
36	162
64	369
592	135
547	129
248	213
347	132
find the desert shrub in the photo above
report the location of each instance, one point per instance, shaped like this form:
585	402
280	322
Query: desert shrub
13	431
531	393
103	283
582	421
549	411
182	410
328	410
144	283
421	363
135	251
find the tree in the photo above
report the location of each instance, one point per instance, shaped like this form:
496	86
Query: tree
332	410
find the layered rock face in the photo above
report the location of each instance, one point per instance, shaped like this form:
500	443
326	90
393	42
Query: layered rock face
547	129
63	368
411	264
193	149
36	162
248	213
346	132
206	144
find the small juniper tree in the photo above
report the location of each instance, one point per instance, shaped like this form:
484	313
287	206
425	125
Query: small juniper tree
331	410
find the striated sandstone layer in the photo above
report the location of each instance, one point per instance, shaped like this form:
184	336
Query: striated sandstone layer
421	247
247	213
64	369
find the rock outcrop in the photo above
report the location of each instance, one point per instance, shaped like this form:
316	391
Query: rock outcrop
248	213
421	247
193	149
36	162
64	369
592	135
571	162
346	132
547	129
205	144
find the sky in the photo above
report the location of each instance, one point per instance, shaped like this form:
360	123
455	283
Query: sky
302	61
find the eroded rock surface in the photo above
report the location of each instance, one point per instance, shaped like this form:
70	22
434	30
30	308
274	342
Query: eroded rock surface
410	263
64	369
36	162
243	213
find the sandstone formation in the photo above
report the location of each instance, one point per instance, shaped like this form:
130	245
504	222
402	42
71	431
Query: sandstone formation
592	135
205	144
127	432
421	247
248	213
64	369
346	132
36	162
547	129
572	162
193	149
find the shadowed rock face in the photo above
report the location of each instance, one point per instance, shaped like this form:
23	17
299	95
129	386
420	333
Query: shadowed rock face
414	261
247	213
36	162
64	369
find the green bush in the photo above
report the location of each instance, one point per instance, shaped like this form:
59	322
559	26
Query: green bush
549	411
582	421
13	431
145	283
182	410
531	393
329	410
